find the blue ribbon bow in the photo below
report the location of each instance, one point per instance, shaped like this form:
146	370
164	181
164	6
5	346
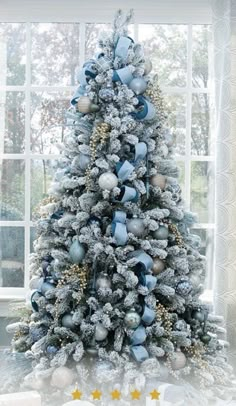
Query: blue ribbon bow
118	227
144	263
123	75
128	193
144	110
122	47
125	169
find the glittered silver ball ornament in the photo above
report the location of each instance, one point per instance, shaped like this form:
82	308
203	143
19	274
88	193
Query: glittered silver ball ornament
158	266
85	105
198	315
101	332
147	66
103	281
178	360
138	85
107	94
132	319
161	233
67	321
158	180
136	226
180	325
107	181
183	287
77	252
62	377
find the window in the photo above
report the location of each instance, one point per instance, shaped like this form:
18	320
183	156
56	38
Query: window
39	59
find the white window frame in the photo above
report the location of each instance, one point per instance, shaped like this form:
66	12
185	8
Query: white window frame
154	12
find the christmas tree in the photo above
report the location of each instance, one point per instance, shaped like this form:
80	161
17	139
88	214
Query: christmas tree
116	275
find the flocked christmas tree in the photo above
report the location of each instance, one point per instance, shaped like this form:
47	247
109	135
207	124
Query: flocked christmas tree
116	274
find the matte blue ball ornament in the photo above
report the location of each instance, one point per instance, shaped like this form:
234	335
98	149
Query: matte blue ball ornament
77	252
51	349
161	233
46	286
138	85
67	321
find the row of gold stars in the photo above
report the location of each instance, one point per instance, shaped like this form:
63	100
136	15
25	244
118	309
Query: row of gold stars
115	394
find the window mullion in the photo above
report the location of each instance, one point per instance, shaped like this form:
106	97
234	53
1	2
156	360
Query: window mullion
188	120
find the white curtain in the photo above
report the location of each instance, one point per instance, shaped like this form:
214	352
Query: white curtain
224	36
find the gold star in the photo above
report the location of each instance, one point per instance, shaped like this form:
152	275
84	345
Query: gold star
76	394
115	394
155	394
135	394
96	394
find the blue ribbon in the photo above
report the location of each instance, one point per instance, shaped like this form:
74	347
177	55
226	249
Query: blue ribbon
118	227
123	75
80	91
128	193
147	280
139	336
35	295
125	169
144	110
139	353
122	47
148	315
145	262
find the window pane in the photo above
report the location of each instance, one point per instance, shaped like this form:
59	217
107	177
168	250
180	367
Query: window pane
207	249
55	54
12	54
202	191
12	179
12	257
166	46
181	179
47	121
202	47
12	121
176	120
42	172
201	131
33	233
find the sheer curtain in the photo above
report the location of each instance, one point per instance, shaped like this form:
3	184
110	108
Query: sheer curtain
224	34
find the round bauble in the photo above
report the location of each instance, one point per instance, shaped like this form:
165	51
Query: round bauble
147	66
180	325
205	338
103	281
158	266
158	180
136	226
138	85
132	319
107	181
51	349
67	321
85	105
184	287
178	361
46	286
62	377
161	233
101	332
77	252
198	315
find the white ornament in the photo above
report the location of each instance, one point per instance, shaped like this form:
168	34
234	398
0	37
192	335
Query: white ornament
107	181
100	332
62	377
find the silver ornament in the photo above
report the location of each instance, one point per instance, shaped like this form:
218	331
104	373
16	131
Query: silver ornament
84	104
161	233
178	360
158	180
184	287
77	252
101	332
136	227
198	315
132	319
138	85
107	181
158	266
147	66
67	321
180	325
94	108
62	377
103	281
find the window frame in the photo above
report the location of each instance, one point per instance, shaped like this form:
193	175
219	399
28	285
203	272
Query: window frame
152	12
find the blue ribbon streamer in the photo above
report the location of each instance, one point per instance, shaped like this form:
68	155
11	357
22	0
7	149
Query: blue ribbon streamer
139	353
148	315
123	75
139	336
118	227
144	110
122	47
128	193
145	261
125	169
80	91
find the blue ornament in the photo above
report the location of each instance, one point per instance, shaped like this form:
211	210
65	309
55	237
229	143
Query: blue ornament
77	252
34	298
183	287
36	333
46	286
